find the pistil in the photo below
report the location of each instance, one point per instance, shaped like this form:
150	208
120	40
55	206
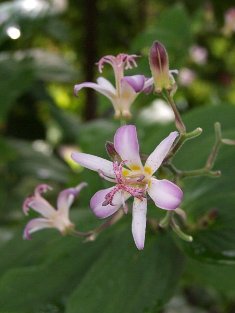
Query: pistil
134	185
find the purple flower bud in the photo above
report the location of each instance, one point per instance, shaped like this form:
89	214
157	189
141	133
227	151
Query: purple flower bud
114	156
159	65
158	56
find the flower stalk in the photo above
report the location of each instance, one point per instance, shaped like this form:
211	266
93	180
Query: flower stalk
178	120
182	139
165	222
207	169
169	221
175	227
214	152
92	234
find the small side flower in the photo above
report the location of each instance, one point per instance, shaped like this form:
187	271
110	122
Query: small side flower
51	217
229	23
126	88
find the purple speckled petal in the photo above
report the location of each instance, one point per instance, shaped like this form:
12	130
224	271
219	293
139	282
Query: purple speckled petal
139	222
103	211
165	194
66	198
35	225
158	155
94	163
127	146
135	81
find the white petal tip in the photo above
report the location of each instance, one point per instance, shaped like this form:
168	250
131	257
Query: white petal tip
140	247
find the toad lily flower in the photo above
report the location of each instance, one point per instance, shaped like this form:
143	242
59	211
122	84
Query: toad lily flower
51	217
131	178
126	88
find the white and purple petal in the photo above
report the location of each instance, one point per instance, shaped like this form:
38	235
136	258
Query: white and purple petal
127	146
103	211
136	82
165	194
103	82
104	90
94	163
139	222
156	158
40	205
43	204
66	198
148	85
35	225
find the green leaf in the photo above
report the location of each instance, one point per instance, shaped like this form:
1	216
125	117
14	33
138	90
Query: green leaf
103	129
31	288
18	78
125	279
65	272
208	275
36	163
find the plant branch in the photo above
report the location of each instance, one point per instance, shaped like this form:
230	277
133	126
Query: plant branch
92	234
178	120
207	169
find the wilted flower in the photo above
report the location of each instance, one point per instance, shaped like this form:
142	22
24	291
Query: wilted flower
159	65
126	88
229	26
198	54
131	178
51	217
186	76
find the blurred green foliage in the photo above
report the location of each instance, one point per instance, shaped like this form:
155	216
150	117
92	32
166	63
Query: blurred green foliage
40	119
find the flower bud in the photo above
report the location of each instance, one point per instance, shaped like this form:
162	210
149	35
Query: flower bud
229	26
114	156
159	65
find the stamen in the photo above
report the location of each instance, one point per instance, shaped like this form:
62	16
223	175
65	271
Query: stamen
124	204
26	204
110	195
135	179
135	192
123	184
102	175
121	60
42	189
117	168
110	59
142	177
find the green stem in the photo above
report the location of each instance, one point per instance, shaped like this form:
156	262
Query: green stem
180	233
182	139
207	169
165	222
214	152
122	121
178	120
199	172
91	235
